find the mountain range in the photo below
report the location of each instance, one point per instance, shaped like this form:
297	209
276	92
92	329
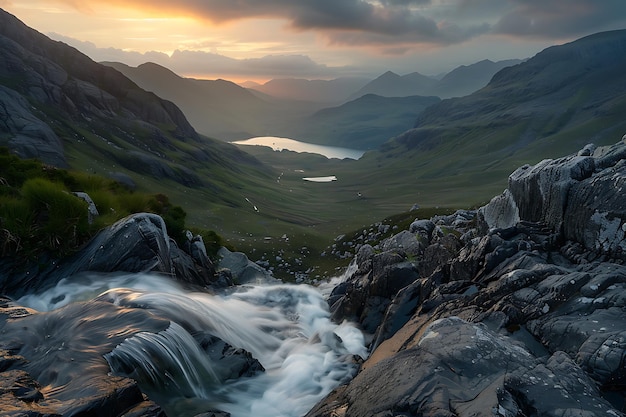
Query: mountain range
552	104
227	111
562	98
365	114
328	112
459	82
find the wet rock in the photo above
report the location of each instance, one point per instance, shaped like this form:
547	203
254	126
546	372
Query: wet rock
231	362
56	362
137	243
458	368
242	269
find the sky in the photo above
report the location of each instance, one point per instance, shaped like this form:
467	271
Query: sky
259	40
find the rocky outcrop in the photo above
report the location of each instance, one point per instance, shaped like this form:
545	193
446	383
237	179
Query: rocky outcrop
579	196
138	243
515	309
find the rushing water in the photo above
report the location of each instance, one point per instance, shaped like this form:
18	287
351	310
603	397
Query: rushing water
278	144
287	328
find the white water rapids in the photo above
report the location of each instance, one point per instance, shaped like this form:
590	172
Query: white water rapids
287	328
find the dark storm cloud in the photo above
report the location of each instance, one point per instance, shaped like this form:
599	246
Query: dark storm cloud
398	23
553	19
356	20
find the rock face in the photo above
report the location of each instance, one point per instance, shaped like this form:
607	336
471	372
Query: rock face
516	309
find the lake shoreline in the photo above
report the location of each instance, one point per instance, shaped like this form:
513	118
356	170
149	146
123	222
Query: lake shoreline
279	144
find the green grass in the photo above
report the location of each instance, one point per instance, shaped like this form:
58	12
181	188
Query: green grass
40	214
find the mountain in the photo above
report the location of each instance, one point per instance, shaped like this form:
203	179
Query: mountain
466	79
58	105
391	84
364	123
217	108
225	110
45	84
552	104
459	82
321	91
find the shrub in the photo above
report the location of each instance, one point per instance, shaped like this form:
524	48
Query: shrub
174	218
60	218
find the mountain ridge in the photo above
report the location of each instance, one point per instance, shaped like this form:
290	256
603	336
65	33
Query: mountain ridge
461	81
553	103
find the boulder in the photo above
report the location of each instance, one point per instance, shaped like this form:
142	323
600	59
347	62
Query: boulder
242	269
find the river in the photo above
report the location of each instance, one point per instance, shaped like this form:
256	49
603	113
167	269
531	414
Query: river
287	328
278	144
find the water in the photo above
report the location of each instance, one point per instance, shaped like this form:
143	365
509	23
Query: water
278	144
286	328
329	178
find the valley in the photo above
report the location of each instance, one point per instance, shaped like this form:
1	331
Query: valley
421	150
356	245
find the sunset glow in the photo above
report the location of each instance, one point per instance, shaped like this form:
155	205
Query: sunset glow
254	40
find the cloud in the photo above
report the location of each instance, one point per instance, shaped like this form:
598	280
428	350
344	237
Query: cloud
212	65
353	20
554	19
394	26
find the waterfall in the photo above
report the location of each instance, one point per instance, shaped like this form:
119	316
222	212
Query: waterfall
251	351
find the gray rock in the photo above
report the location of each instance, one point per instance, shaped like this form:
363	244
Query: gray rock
501	212
91	206
457	368
405	241
423	228
540	192
242	269
578	197
137	243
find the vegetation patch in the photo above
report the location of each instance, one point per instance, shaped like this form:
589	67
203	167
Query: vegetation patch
39	212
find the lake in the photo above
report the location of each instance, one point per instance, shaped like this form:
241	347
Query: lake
278	144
